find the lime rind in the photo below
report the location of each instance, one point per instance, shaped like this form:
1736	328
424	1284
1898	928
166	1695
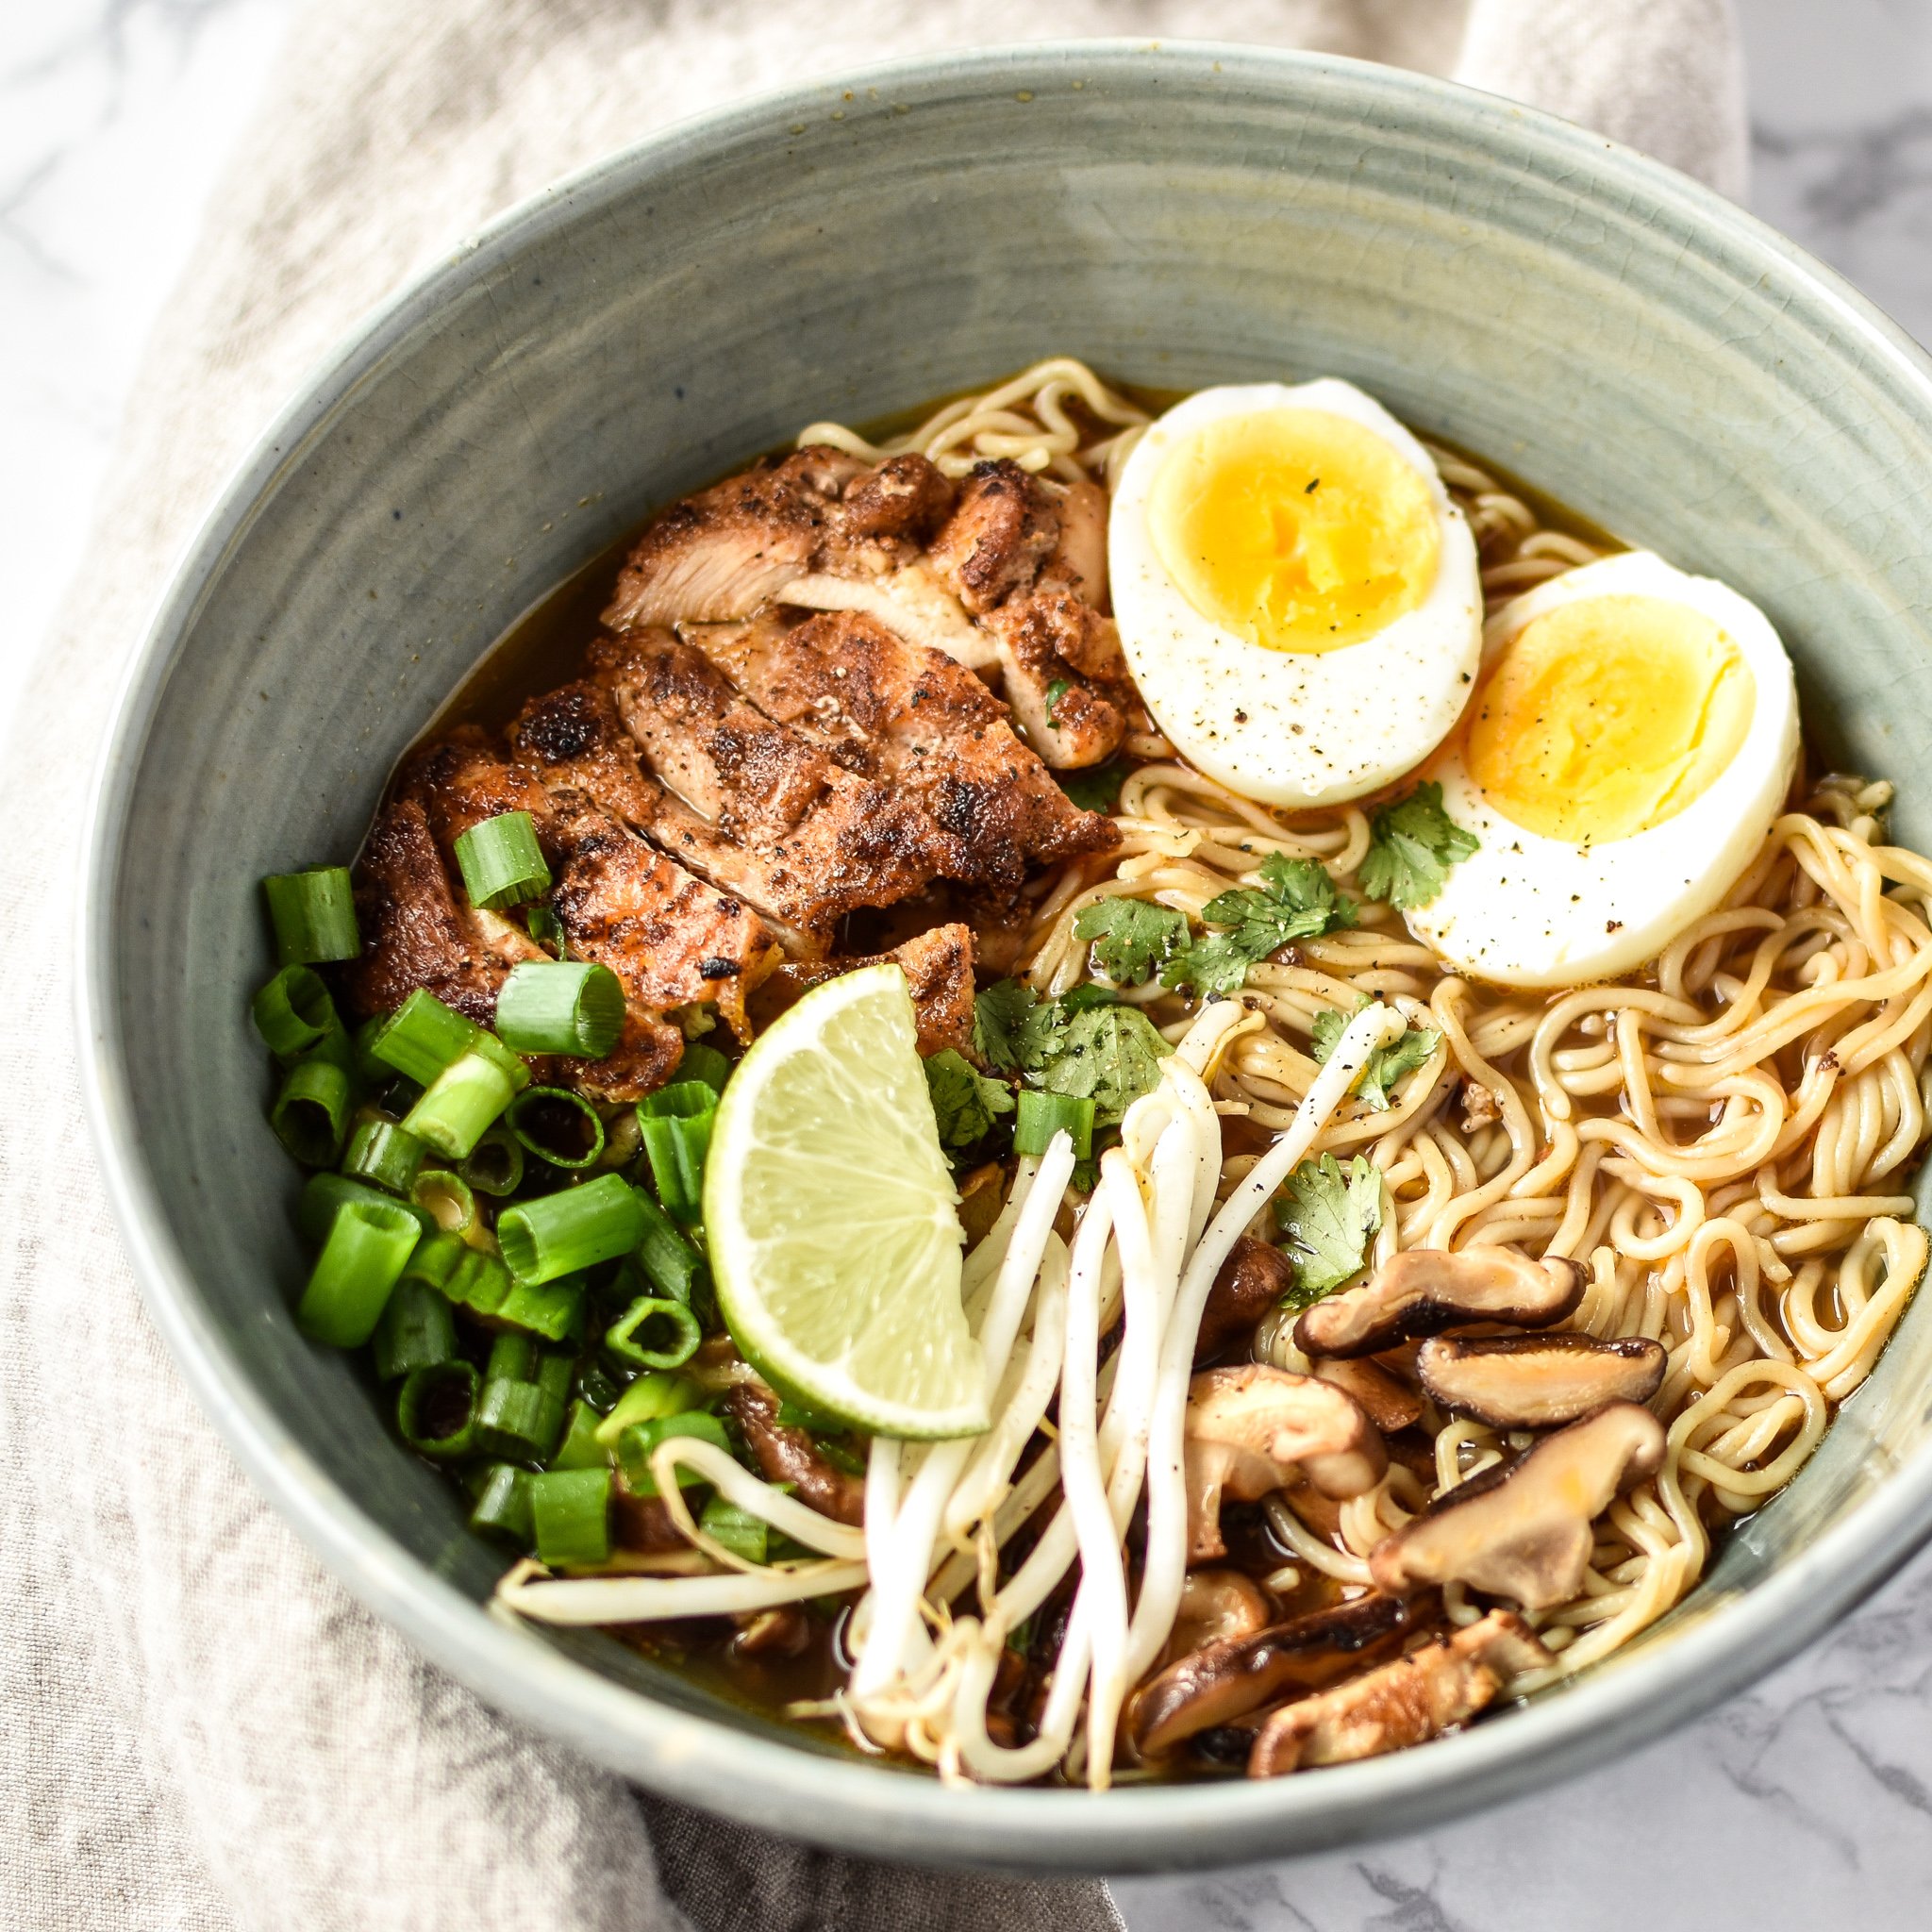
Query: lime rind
833	1221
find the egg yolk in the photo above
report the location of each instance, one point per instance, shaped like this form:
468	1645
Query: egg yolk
1297	529
1607	716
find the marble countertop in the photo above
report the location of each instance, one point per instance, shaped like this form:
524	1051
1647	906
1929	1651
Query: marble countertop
1807	1802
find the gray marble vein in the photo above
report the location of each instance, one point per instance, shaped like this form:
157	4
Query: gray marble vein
1806	1803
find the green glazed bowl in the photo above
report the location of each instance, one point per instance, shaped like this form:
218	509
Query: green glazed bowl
1179	215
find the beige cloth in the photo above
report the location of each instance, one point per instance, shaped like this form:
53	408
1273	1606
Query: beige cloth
198	1728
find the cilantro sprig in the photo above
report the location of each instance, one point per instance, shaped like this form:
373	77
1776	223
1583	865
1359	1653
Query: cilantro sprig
1296	900
1386	1065
1412	844
1328	1214
1131	938
1097	788
1085	1043
965	1102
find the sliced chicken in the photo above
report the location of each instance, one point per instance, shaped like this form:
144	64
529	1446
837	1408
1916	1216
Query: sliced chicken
910	717
1064	675
759	810
463	779
1006	525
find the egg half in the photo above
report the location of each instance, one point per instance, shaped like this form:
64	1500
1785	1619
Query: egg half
1298	598
1634	734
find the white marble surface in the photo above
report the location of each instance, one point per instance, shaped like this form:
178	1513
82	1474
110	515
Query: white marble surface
1806	1803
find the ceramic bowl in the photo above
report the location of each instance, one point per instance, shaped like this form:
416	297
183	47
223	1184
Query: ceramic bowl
1179	215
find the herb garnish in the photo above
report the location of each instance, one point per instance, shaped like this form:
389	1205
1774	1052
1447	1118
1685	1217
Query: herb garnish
1328	1214
1411	845
1084	1043
964	1102
1383	1067
1296	900
1097	788
1131	937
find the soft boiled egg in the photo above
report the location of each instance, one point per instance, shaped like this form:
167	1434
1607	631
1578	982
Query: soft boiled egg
1297	597
1632	738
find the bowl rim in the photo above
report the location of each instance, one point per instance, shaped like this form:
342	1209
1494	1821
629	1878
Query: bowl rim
853	1804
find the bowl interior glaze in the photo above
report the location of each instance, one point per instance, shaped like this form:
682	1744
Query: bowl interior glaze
1176	216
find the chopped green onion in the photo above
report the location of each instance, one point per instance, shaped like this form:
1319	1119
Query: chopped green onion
654	1333
580	1448
502	862
436	1259
514	1358
294	1012
385	1154
417	1330
544	925
739	1530
361	1262
314	915
564	1233
638	1444
460	1103
480	1282
676	1122
512	1066
557	1126
496	1163
445	1197
501	1505
554	1310
667	1261
437	1410
572	1512
705	1063
369	1069
325	1195
648	1398
561	1006
422	1037
311	1112
518	1419
1043	1115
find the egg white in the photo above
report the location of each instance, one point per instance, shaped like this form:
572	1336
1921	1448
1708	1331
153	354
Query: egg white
1533	911
1292	729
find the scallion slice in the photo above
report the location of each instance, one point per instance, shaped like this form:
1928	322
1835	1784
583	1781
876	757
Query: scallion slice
311	1112
437	1257
512	1066
496	1163
637	1444
480	1282
369	1241
650	1397
294	1012
705	1063
500	1504
654	1333
460	1103
437	1409
571	1509
445	1197
325	1195
557	1126
570	1007
675	1125
745	1535
667	1261
416	1331
314	915
502	862
517	1420
385	1154
580	1448
564	1233
554	1310
422	1037
1042	1116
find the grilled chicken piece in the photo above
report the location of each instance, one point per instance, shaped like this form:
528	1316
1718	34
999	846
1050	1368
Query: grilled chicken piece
910	717
1006	526
1065	675
572	738
414	934
463	779
939	975
819	529
673	941
759	810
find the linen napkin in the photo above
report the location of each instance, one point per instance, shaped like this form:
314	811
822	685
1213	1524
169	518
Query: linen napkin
198	1728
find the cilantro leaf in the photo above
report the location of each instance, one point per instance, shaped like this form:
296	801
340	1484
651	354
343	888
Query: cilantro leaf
999	1013
965	1102
1097	788
1411	845
1296	900
1110	1055
1328	1214
1386	1065
1132	937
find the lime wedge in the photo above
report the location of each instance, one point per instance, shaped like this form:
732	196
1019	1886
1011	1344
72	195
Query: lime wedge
832	1218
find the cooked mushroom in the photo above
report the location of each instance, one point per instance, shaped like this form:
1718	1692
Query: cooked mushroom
1423	1289
1537	1381
1389	1401
1221	1681
1252	1280
786	1454
1215	1604
1522	1530
1408	1702
1249	1427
